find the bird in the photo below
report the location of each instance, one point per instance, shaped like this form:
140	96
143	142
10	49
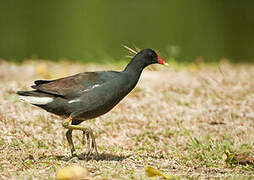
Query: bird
88	95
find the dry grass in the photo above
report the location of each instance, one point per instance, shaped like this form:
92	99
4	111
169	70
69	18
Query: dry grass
179	120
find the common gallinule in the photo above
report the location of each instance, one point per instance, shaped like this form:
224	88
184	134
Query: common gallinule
88	95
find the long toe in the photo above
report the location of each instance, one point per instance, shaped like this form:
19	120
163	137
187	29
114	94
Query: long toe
73	154
74	159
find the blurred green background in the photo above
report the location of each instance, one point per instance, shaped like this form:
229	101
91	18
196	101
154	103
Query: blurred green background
93	30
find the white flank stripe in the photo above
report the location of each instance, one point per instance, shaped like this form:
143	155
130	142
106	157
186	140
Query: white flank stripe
36	100
90	88
96	85
74	100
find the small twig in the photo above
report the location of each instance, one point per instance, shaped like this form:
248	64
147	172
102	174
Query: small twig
127	56
130	50
137	49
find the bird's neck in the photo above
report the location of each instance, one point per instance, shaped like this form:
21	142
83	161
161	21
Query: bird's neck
135	67
133	71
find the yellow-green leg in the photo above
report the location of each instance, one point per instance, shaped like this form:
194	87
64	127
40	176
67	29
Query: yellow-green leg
86	131
88	142
70	142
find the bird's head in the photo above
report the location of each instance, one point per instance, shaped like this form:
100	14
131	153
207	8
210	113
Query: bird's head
149	55
152	57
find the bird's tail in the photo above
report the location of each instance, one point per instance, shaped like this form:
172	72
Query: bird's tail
35	97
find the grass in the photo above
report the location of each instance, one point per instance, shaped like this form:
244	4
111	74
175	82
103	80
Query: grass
180	120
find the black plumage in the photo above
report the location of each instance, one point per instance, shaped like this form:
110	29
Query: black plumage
91	94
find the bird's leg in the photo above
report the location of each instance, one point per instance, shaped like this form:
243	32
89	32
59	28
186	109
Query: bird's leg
88	142
69	139
84	138
86	130
94	146
91	145
87	138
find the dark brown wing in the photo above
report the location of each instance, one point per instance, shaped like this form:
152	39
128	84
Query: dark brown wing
70	86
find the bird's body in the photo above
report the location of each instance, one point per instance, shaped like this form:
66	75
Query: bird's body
88	95
83	96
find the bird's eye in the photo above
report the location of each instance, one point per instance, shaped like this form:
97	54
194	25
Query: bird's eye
150	54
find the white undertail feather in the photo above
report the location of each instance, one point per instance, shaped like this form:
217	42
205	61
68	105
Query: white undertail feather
36	100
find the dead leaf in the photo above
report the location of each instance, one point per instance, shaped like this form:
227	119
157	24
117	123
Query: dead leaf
239	158
72	173
244	159
151	172
224	157
228	157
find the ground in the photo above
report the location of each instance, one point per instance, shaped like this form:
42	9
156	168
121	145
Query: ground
181	120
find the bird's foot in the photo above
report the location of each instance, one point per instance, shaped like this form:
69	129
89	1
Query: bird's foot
74	158
88	136
90	141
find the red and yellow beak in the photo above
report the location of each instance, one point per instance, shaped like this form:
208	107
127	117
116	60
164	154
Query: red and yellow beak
162	61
